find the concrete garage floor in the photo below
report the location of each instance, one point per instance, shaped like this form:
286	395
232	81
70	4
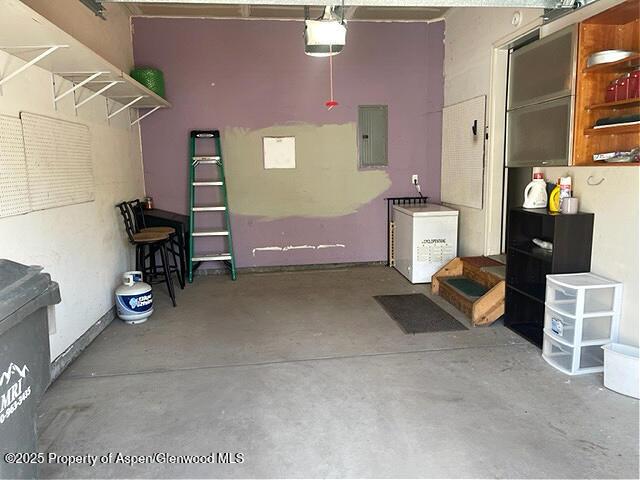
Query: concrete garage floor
307	376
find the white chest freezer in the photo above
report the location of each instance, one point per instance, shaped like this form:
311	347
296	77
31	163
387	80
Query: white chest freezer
426	237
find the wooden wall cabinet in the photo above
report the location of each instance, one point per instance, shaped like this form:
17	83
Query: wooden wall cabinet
614	29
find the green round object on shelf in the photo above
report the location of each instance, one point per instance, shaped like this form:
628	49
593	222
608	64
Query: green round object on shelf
152	78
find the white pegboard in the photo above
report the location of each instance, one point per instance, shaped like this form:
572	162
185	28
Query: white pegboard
59	163
462	177
14	185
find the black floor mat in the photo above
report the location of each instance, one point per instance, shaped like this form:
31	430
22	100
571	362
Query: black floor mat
415	313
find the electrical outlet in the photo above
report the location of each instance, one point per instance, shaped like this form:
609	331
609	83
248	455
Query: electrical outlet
414	179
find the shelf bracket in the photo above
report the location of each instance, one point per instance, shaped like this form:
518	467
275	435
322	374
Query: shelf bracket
76	86
98	92
137	120
124	107
49	49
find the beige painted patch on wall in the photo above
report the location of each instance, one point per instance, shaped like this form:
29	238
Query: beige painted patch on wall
325	183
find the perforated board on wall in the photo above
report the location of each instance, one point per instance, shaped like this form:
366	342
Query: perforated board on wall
59	166
14	186
462	177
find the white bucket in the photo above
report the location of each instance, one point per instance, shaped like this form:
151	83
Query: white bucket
622	369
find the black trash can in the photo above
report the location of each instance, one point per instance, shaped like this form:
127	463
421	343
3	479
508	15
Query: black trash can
25	294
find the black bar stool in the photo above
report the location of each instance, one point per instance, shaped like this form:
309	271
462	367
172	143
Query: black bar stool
175	246
147	245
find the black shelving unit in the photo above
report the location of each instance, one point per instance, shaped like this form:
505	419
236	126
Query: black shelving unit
528	265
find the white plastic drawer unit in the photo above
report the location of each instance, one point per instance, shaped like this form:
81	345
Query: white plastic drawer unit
583	294
594	330
426	238
582	313
572	360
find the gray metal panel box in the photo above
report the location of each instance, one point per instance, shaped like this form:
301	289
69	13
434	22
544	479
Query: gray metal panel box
543	70
542	79
540	134
372	135
25	294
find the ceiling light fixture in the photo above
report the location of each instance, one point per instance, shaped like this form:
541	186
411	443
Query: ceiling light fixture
327	35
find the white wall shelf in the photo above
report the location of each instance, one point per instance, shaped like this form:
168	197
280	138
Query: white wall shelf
29	36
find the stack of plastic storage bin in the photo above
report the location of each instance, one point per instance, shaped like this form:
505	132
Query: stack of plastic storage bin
582	313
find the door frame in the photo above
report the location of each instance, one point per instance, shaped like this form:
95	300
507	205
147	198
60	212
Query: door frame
495	193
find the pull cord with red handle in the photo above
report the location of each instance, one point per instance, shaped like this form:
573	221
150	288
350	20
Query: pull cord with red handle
331	102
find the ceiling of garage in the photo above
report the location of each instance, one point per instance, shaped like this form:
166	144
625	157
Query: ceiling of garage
283	12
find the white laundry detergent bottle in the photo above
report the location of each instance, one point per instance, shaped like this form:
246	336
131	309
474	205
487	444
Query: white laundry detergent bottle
134	298
535	193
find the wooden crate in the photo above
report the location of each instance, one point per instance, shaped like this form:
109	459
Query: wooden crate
483	310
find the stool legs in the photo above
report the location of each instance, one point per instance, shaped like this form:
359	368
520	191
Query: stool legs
167	272
177	259
139	263
183	259
152	259
147	251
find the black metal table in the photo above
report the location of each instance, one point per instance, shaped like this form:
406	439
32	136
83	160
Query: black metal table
180	222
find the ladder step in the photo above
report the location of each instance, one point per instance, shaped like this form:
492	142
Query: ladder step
208	183
210	233
210	208
209	257
204	159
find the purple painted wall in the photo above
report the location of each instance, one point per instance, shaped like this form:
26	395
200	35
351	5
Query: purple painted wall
262	78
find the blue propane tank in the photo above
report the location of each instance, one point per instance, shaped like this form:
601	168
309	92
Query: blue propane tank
134	299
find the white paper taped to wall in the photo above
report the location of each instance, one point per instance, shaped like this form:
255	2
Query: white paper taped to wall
279	152
58	158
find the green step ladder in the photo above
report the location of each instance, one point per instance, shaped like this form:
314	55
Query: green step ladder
196	183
